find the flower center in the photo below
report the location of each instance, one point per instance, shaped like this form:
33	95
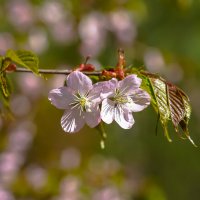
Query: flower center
119	98
81	102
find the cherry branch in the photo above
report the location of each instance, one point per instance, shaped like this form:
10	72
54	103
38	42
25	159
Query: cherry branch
57	71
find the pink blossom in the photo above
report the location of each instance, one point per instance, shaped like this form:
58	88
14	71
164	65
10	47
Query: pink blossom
121	98
80	100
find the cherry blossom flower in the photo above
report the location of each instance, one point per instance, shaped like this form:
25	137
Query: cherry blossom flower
80	100
121	98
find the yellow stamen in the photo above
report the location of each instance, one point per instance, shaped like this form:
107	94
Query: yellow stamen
120	98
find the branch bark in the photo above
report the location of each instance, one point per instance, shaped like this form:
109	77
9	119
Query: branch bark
57	71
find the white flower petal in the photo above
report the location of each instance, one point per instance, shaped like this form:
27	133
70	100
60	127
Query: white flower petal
107	111
93	118
79	82
141	99
130	105
113	83
129	84
109	88
138	108
129	117
61	97
123	118
72	121
95	93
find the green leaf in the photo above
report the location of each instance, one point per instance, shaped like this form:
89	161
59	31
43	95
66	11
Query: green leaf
160	93
169	101
157	90
4	85
5	62
5	91
25	59
94	79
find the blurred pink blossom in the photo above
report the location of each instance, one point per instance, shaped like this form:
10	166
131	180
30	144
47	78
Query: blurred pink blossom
107	193
36	176
38	41
31	85
19	140
21	14
63	32
154	60
6	42
57	80
13	156
9	165
51	12
122	24
92	33
174	72
70	189
20	105
70	159
5	194
69	185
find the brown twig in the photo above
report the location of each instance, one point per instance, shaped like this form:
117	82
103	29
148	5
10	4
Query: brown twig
57	71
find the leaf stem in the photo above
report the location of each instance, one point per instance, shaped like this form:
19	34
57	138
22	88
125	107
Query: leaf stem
56	71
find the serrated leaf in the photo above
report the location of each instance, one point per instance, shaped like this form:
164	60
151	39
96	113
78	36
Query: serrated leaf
24	58
157	89
176	104
187	108
169	101
180	109
160	93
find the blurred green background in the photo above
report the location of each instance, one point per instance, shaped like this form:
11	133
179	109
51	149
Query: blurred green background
39	161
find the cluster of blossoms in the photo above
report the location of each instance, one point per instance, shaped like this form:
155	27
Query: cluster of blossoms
108	101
